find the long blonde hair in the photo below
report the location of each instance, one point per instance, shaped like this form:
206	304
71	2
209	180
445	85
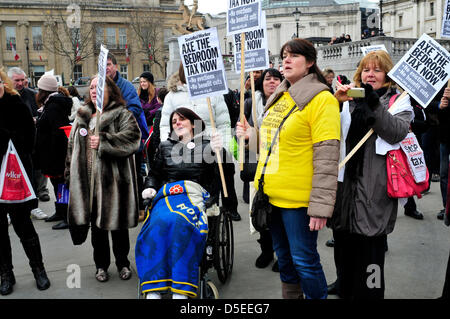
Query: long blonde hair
150	90
8	84
382	60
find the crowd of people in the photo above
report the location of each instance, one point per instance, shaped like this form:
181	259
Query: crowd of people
157	145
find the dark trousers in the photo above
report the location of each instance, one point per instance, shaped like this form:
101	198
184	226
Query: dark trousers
100	243
22	224
360	265
231	202
410	204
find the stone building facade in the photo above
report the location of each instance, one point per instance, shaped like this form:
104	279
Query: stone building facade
27	24
412	18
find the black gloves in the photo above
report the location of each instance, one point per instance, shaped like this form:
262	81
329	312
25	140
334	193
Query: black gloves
371	97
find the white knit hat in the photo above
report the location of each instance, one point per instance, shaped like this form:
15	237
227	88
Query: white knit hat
48	83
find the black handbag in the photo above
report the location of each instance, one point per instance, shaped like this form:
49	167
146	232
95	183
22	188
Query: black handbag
261	208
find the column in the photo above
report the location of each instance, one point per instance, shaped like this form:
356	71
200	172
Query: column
21	34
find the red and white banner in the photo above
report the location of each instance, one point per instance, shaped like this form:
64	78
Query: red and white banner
78	56
126	53
15	186
16	56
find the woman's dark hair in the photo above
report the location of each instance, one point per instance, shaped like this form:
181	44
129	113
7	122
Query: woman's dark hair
73	91
113	91
307	49
181	74
186	113
162	94
260	81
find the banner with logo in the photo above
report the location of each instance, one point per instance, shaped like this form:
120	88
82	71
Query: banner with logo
256	50
423	70
15	186
203	64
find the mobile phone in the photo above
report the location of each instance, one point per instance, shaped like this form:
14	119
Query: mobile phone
356	92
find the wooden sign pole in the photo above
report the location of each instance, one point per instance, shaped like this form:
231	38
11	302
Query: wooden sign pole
242	115
219	157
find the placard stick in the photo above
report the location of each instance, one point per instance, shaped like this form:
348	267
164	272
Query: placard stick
94	160
366	137
219	157
242	115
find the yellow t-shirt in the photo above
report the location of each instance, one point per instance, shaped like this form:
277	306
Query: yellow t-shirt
289	172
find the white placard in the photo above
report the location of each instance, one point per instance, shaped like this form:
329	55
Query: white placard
423	70
203	63
415	156
371	48
256	49
445	30
102	61
243	15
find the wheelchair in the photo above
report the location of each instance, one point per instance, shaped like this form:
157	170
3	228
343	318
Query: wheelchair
219	248
218	254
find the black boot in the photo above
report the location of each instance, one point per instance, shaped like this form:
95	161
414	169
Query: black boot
63	212
8	281
32	249
266	256
57	215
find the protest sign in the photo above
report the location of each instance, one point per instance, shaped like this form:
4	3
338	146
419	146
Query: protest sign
371	48
415	156
243	15
256	51
423	70
102	60
445	31
203	63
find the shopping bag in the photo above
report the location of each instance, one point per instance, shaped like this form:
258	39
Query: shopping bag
62	195
15	186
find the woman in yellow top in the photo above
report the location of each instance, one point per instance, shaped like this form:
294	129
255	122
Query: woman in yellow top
301	175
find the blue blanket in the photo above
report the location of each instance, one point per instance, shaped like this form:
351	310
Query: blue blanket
170	245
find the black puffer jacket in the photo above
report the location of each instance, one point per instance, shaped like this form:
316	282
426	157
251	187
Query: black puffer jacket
51	141
175	161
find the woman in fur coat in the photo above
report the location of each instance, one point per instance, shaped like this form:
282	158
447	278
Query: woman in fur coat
115	196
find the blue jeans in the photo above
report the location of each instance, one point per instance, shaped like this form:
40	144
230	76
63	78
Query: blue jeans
296	249
443	172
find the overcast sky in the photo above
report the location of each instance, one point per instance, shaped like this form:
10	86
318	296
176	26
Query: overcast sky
217	6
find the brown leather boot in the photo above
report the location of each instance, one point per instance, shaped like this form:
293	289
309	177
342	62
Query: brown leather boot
291	291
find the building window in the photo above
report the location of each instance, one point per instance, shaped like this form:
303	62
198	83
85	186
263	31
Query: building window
99	34
400	21
122	38
37	38
111	38
77	72
124	71
146	68
431	9
10	37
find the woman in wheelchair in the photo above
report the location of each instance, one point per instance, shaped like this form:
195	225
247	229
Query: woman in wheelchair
171	243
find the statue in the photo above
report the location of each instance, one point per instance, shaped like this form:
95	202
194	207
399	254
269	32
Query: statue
186	25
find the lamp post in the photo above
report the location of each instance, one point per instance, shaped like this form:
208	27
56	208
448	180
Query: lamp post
27	41
297	14
380	31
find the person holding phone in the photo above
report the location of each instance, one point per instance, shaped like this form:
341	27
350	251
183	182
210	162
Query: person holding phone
364	214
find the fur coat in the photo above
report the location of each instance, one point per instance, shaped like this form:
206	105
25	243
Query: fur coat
116	194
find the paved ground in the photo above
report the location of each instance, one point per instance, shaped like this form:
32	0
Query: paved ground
415	262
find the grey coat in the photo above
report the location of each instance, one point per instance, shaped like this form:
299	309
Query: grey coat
370	212
116	194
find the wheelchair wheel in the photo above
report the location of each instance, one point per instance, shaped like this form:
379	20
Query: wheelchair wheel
223	254
209	290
